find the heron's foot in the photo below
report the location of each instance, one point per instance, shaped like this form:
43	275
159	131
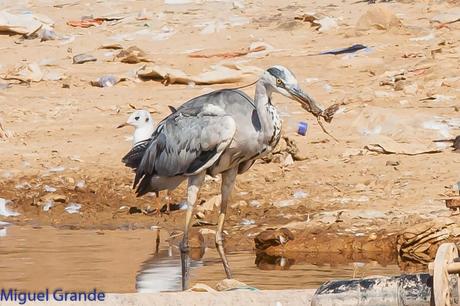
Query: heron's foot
185	263
223	257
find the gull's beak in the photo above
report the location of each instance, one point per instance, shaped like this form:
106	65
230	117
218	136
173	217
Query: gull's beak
310	105
122	125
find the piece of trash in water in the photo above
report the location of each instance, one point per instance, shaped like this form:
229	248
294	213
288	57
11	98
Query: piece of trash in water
83	58
73	208
106	81
302	129
300	194
48	205
247	222
49	188
4	211
86	23
354	48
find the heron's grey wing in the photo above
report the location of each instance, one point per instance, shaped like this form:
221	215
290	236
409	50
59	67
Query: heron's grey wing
186	143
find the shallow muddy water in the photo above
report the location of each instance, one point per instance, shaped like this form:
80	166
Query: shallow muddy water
128	261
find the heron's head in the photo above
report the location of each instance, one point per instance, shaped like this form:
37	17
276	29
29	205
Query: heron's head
139	118
282	80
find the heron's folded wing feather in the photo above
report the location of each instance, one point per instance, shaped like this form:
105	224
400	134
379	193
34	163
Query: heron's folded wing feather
187	143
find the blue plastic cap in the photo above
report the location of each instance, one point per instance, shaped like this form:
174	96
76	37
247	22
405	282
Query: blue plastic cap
303	127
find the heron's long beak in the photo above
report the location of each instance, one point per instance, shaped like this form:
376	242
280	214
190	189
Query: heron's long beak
122	125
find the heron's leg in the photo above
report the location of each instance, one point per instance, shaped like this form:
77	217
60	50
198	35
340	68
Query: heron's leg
194	184
228	182
168	202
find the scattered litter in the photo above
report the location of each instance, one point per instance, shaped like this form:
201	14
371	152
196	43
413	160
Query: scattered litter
86	23
284	203
428	37
387	145
23	186
83	58
254	48
56	169
26	24
48	205
254	203
31	73
319	23
4	211
132	55
219	75
302	129
352	49
47	34
300	194
80	185
107	81
247	222
111	46
378	17
49	188
453	15
73	208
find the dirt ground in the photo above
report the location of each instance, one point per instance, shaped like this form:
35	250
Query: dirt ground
400	94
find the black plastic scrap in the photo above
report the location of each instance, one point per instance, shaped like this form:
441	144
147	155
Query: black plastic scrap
351	49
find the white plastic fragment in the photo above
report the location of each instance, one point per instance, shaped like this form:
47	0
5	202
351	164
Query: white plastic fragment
49	188
73	208
4	211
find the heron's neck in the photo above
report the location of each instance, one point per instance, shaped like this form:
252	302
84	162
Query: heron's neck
264	106
142	133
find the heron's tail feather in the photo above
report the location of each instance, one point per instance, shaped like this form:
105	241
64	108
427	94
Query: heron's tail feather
134	157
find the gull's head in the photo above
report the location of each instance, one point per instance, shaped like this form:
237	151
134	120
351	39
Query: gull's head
139	119
282	80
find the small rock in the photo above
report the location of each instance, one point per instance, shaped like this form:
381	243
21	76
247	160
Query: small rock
372	237
134	210
59	198
284	203
239	204
83	58
211	203
273	237
200	215
392	163
288	160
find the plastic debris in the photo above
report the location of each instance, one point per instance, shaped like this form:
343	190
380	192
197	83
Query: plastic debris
106	81
49	188
285	203
56	169
230	54
300	194
132	55
86	23
48	34
428	37
352	49
302	129
4	211
73	208
26	24
48	205
246	222
83	58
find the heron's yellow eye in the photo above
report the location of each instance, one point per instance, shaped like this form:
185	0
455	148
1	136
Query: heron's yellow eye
278	82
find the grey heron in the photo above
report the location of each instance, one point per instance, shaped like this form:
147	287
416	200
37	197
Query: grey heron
222	132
